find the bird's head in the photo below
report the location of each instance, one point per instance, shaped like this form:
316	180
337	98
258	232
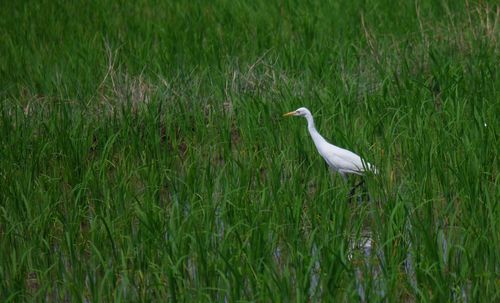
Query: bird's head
300	112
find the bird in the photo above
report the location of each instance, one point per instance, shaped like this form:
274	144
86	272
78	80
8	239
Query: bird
338	159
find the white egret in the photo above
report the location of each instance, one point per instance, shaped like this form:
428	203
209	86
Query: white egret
340	160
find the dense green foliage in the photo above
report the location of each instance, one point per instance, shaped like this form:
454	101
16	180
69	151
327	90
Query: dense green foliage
143	155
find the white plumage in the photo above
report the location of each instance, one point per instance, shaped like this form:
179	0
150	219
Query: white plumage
340	160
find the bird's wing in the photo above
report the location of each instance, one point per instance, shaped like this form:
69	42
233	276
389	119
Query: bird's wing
343	160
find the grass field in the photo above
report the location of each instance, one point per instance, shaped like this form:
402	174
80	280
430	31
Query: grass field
144	157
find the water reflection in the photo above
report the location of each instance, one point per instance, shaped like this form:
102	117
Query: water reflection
315	274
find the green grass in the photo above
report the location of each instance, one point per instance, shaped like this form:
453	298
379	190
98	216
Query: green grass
143	155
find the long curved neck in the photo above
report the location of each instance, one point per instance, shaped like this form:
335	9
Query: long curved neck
317	138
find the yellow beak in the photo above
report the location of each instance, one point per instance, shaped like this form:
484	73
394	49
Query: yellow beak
289	114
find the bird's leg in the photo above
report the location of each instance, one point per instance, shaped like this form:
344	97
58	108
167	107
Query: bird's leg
367	193
363	185
362	182
351	194
353	191
354	187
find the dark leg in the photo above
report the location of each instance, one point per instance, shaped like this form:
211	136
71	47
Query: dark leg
367	193
351	194
353	190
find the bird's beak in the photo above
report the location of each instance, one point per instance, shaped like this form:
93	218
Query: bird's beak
289	114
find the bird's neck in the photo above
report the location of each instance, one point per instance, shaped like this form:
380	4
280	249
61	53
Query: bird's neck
315	135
